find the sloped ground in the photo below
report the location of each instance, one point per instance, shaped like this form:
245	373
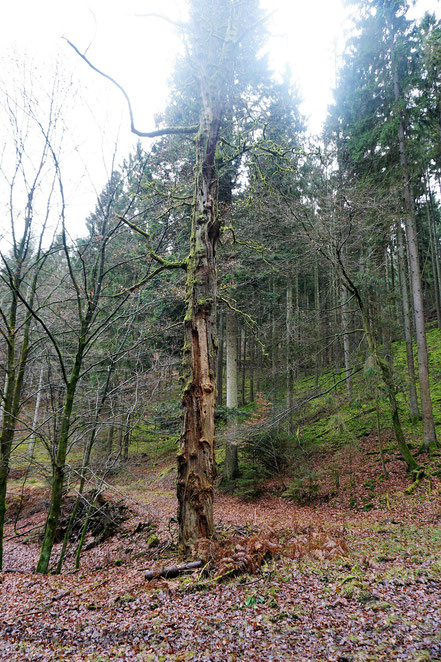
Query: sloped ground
357	576
380	600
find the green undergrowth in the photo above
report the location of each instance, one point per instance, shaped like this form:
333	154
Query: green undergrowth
342	421
307	459
334	427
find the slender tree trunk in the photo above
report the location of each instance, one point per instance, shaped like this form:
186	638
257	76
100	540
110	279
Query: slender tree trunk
414	412
429	434
258	369
392	268
336	300
3	400
36	412
318	362
434	257
288	355
297	330
435	245
386	310
220	359
274	332
7	436
126	438
83	534
231	458
109	441
59	464
346	341
251	370
12	391
435	274
380	439
120	436
243	366
386	375
390	390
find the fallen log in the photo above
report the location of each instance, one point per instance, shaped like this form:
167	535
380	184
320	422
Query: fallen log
173	570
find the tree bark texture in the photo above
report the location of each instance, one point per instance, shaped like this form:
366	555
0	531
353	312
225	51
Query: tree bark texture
317	361
36	411
274	357
59	464
220	360
429	434
14	381
231	459
251	371
434	257
346	342
196	459
288	355
243	366
402	262
214	45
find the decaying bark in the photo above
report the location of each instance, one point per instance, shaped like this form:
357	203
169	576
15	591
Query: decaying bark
216	28
214	45
196	461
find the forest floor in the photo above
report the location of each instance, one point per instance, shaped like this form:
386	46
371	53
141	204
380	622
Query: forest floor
341	584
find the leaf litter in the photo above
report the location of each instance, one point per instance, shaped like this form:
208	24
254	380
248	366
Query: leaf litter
278	582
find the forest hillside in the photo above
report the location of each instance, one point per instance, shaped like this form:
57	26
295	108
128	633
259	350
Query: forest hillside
220	391
321	550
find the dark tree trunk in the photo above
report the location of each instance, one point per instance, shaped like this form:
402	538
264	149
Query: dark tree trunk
429	434
251	370
346	342
59	465
414	412
243	366
288	356
220	360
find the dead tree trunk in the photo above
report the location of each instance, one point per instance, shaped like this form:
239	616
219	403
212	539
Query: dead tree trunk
196	461
215	25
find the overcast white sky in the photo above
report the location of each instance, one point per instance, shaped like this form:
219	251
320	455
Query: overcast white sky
139	52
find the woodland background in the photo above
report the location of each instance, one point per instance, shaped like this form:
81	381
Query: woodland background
327	327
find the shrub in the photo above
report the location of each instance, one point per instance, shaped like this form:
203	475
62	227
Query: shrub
303	488
249	485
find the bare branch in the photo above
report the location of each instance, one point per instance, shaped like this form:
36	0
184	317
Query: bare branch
169	131
167	264
177	24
